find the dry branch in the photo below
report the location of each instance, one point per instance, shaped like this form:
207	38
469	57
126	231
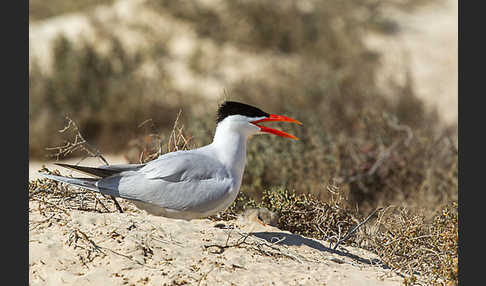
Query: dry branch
79	143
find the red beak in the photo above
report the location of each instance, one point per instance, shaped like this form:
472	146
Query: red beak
274	117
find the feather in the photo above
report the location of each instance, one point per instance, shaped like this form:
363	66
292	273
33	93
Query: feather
103	171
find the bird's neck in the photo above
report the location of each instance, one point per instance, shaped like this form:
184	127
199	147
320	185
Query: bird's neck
230	148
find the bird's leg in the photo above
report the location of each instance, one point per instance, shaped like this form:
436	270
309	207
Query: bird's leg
260	221
117	204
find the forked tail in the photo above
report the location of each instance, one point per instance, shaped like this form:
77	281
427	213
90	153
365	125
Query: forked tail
87	183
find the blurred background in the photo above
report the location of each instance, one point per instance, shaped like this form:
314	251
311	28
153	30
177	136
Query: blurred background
374	82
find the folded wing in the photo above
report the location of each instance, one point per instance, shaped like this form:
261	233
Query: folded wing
181	180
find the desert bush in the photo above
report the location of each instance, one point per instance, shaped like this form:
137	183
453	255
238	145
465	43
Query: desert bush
425	249
286	26
305	215
39	10
384	148
377	158
102	92
421	247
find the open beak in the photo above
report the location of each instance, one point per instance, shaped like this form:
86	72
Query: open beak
274	117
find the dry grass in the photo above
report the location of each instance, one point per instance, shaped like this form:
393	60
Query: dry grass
423	249
53	197
426	250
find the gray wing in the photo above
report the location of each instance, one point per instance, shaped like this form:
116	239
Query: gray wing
180	180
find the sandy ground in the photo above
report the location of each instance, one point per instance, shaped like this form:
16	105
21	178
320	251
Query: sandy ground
133	248
105	247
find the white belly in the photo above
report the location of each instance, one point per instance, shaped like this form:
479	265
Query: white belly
223	203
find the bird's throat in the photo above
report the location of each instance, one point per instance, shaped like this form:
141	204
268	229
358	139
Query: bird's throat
230	148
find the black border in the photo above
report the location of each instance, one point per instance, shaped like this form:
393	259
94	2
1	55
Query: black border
15	131
471	142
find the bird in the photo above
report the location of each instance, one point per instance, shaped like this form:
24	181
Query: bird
262	216
186	184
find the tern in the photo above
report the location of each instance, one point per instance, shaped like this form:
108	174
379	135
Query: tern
189	184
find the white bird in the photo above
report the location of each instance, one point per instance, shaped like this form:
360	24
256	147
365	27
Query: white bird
187	184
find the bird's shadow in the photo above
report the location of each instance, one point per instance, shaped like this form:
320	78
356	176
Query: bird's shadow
297	240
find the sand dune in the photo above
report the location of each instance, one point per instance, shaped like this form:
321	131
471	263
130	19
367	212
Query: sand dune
133	248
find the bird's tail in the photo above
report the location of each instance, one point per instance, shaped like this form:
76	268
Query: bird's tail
87	183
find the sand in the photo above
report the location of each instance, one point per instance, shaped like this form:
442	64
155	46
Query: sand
105	247
426	45
134	248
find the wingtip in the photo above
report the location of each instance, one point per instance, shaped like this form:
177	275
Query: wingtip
62	164
49	176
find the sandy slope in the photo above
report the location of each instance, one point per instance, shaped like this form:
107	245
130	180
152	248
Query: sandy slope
134	248
105	247
427	43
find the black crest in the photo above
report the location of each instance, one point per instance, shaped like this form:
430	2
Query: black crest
237	108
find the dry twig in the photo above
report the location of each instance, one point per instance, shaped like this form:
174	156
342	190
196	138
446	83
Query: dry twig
355	228
257	244
383	155
79	143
